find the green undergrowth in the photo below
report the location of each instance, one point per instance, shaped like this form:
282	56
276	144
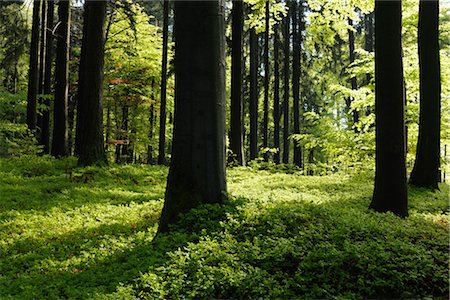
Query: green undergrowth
89	233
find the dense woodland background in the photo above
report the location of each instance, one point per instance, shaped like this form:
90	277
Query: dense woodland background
314	109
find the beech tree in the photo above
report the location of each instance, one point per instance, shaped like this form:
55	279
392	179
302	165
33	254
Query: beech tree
253	103
33	72
236	116
162	115
197	170
390	192
276	96
60	121
286	33
426	167
89	145
265	139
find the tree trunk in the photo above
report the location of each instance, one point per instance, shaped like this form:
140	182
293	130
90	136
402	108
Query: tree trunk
286	92
253	101
60	109
33	73
368	38
296	38
353	83
42	54
236	116
150	133
266	83
197	170
89	145
45	130
276	97
426	167
162	115
390	192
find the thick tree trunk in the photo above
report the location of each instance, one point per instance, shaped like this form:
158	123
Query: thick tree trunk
286	130
390	192
236	116
89	145
276	97
197	170
253	101
60	145
266	83
162	114
33	73
426	167
353	83
296	38
45	130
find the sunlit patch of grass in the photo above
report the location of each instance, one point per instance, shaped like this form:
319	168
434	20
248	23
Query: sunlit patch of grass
68	232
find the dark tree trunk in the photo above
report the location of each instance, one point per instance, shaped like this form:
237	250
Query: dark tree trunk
276	97
45	130
266	83
426	167
236	115
60	109
89	145
253	101
286	92
42	53
162	115
353	83
33	73
296	38
197	170
150	134
390	193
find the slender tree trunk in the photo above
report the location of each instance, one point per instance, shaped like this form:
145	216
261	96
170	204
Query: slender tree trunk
266	82
286	130
197	170
353	83
150	134
45	130
162	115
60	145
276	96
89	145
253	103
390	192
426	167
42	54
236	115
368	38
33	73
296	38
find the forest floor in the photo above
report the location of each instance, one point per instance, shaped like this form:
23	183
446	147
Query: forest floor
90	233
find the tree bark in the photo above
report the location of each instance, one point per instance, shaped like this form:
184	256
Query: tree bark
286	130
266	82
276	97
197	170
33	73
162	115
89	145
296	38
236	116
353	83
426	167
45	130
60	146
253	101
42	53
390	193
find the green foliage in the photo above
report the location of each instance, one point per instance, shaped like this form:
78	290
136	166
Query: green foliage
69	232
